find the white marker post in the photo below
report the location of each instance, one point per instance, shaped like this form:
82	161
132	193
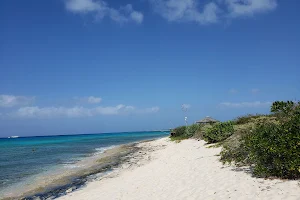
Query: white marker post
185	109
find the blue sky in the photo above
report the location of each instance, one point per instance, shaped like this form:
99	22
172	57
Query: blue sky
87	66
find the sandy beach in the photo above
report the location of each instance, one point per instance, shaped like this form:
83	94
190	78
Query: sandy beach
163	169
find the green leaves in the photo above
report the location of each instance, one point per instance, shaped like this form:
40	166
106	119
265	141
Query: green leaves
282	106
179	131
184	132
192	129
274	147
271	145
219	132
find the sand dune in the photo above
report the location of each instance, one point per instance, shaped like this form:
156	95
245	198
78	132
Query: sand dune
185	170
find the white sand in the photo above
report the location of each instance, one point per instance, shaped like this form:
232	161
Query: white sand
185	170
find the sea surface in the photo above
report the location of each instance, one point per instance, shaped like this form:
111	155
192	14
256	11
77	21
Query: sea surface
23	158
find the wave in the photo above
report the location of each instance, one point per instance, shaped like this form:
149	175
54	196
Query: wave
57	180
103	149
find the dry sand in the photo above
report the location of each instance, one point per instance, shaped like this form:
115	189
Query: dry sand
185	170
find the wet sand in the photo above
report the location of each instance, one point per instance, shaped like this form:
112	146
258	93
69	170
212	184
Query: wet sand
58	181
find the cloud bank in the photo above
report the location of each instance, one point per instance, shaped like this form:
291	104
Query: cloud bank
237	8
101	9
212	12
11	100
175	10
186	10
73	112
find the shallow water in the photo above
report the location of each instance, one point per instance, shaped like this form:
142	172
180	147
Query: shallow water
25	160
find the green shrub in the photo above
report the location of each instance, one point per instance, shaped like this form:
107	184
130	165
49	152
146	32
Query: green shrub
218	132
284	107
201	131
244	119
192	129
184	132
180	133
234	148
252	118
270	143
179	138
275	149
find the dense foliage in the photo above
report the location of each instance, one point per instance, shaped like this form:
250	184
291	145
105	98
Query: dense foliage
235	150
192	129
218	132
246	119
179	131
184	132
275	148
272	146
269	143
283	107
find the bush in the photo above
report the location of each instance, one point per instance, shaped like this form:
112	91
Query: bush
218	132
283	107
192	129
244	119
275	149
180	133
271	144
251	118
184	132
201	131
235	150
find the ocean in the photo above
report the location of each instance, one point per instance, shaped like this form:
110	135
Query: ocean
23	160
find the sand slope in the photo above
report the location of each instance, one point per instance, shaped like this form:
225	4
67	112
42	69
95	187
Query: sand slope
185	170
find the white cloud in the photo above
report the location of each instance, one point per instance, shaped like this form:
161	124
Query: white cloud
31	112
211	12
186	10
52	112
94	100
89	100
254	104
101	9
137	17
238	8
84	6
11	100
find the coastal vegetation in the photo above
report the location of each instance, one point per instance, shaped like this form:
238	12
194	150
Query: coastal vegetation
270	144
218	132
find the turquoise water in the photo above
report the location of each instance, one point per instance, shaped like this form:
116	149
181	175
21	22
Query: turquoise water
21	158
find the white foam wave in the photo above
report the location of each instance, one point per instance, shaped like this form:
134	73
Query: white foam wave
103	149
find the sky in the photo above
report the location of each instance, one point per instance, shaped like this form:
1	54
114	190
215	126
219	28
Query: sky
92	66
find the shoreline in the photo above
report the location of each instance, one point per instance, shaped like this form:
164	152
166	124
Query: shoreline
162	169
72	179
186	170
